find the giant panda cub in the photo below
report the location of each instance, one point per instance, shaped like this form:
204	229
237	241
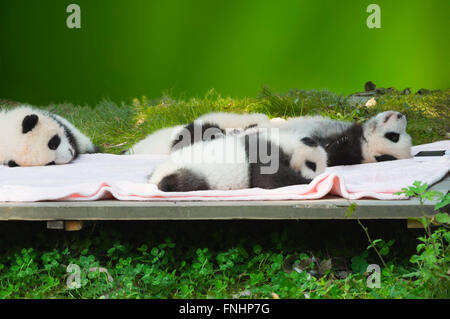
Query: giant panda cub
258	159
169	139
324	142
32	137
382	138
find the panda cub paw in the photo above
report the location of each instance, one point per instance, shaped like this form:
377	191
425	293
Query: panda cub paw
309	158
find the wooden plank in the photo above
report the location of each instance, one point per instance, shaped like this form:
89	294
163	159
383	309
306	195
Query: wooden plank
414	224
73	225
331	207
55	224
118	210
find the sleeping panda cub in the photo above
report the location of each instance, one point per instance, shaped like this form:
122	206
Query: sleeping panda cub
259	159
32	137
382	138
168	139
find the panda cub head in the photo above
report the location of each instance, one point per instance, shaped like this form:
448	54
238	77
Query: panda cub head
385	138
36	138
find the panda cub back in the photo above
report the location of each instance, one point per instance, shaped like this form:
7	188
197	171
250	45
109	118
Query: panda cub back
32	137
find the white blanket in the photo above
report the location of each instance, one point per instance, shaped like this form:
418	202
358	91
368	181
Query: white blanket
100	176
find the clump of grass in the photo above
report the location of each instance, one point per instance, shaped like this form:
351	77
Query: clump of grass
118	127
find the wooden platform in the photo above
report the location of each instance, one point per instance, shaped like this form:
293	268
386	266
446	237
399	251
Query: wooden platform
328	208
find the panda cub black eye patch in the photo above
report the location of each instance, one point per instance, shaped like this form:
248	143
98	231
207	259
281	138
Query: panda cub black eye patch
309	142
54	142
392	136
311	165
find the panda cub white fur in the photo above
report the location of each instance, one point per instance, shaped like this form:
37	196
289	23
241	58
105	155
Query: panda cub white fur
239	161
33	137
382	138
164	140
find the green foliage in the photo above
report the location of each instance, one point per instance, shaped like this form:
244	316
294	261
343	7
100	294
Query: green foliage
359	263
432	275
383	247
350	210
227	261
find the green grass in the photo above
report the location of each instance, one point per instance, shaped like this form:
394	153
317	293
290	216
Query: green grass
227	259
117	127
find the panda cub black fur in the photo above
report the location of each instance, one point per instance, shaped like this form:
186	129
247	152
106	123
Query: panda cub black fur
32	137
236	161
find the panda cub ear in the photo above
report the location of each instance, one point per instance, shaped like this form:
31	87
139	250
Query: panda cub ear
29	122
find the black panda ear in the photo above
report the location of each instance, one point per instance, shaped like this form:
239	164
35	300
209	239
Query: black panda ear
29	122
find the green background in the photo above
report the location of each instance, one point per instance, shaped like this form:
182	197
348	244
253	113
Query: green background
186	47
